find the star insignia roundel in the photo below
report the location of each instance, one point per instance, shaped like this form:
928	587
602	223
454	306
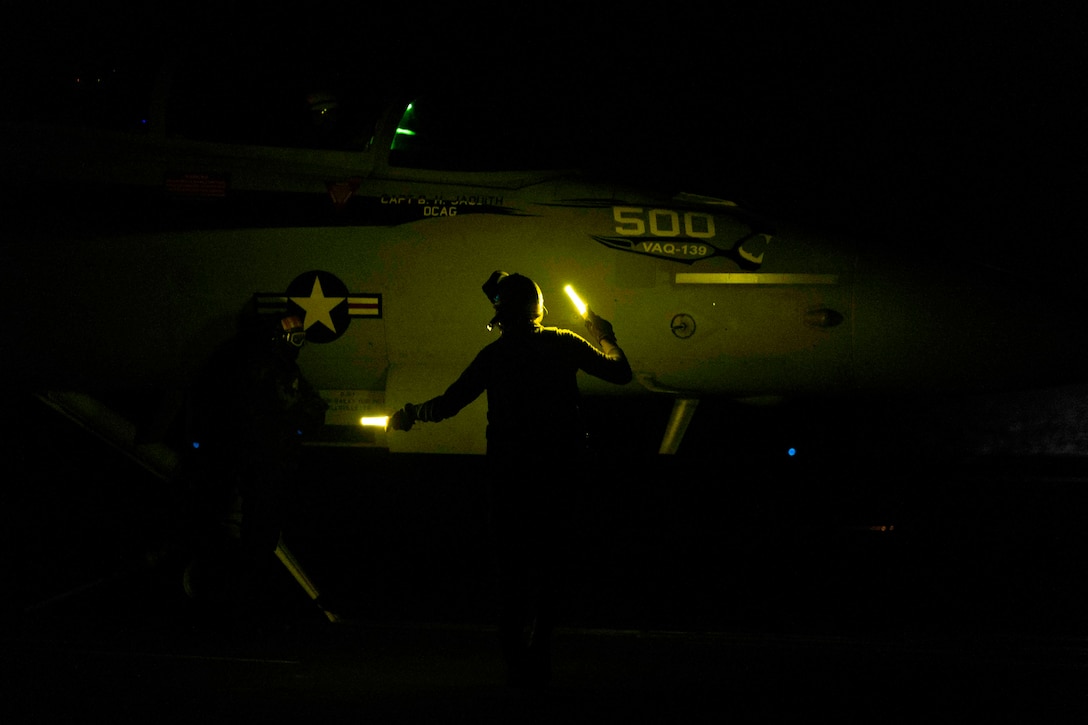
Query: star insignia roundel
323	302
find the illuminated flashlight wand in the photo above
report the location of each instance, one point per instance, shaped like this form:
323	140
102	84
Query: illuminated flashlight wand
374	421
599	328
578	303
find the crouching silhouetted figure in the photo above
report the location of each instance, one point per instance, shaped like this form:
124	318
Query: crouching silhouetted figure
251	409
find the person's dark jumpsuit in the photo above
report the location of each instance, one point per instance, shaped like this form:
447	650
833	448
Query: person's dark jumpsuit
536	440
253	405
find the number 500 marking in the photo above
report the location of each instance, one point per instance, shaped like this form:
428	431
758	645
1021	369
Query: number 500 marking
633	221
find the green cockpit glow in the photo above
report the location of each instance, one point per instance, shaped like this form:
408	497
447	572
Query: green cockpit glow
404	127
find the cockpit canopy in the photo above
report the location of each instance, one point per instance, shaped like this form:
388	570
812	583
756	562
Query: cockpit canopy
478	131
244	89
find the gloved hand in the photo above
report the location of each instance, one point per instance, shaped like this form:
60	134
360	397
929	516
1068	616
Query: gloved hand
599	328
404	418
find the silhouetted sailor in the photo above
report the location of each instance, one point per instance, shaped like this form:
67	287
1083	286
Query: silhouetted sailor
252	407
535	445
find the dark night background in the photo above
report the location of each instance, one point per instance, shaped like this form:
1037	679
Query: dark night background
941	134
888	122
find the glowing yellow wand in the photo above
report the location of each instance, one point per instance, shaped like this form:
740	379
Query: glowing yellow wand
576	300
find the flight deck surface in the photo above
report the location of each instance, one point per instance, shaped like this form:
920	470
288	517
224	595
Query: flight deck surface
428	673
743	592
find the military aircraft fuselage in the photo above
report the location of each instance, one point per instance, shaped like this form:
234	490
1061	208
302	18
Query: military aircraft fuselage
130	255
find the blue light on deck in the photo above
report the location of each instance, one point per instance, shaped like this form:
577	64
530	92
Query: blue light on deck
792	452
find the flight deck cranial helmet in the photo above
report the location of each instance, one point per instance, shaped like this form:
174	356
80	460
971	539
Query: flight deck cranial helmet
516	299
292	331
291	334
